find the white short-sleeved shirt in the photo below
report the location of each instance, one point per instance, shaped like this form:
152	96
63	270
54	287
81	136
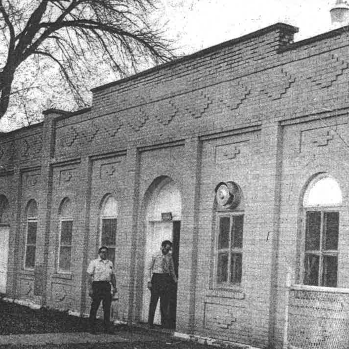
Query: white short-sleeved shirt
101	270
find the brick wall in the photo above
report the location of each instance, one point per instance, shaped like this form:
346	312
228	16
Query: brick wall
260	110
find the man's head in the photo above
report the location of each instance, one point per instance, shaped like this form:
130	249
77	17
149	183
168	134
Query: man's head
166	246
103	252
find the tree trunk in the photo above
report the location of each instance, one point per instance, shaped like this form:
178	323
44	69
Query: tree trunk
6	79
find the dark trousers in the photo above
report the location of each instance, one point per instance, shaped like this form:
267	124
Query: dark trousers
101	292
161	284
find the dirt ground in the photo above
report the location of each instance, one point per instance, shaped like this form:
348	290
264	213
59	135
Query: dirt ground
18	319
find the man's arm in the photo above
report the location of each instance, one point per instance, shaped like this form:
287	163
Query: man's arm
90	280
172	270
150	271
113	282
90	272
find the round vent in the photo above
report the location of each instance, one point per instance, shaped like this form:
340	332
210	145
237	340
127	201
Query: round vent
228	195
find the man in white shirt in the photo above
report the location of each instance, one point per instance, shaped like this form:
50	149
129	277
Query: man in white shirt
161	278
101	276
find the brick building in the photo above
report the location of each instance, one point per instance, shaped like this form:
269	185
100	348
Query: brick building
238	153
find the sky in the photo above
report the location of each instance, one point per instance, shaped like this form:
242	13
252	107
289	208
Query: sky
197	24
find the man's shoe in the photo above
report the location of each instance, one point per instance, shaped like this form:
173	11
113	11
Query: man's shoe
151	326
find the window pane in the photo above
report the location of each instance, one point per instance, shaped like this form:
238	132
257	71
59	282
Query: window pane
109	232
222	270
224	228
236	268
313	226
64	258
32	209
329	277
311	270
31	235
66	232
237	231
30	257
110	208
66	208
331	230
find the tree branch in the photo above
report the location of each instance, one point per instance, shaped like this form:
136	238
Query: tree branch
10	27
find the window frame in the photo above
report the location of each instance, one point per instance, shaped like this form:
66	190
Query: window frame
63	217
60	245
30	219
229	250
103	217
321	253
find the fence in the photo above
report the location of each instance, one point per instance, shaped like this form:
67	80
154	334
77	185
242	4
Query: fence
317	318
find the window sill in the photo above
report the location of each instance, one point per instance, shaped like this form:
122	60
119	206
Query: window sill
64	276
27	272
319	289
226	293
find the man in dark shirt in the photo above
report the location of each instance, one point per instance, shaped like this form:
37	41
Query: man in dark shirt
161	278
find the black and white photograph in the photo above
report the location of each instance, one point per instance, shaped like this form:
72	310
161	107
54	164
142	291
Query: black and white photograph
174	174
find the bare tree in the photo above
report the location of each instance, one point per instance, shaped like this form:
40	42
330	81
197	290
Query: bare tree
76	35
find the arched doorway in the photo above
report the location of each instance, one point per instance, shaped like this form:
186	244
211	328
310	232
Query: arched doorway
4	241
162	222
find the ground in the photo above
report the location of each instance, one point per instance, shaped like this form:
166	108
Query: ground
17	319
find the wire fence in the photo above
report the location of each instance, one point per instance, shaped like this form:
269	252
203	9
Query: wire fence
318	319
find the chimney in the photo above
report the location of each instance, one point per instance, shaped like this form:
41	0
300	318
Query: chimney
340	14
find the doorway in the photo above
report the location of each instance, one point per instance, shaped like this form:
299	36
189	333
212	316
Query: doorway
4	245
163	222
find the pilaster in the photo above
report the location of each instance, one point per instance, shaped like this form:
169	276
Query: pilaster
131	202
189	238
271	170
45	200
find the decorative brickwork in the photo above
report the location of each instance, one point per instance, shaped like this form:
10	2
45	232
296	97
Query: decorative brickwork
318	137
27	288
108	170
135	118
200	102
277	84
229	152
32	180
70	137
30	147
111	125
90	132
220	316
232	96
327	71
165	111
66	176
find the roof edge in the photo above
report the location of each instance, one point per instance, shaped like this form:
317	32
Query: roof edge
315	38
273	27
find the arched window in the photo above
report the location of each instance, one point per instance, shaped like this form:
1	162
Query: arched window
229	234
109	215
31	234
65	236
321	201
